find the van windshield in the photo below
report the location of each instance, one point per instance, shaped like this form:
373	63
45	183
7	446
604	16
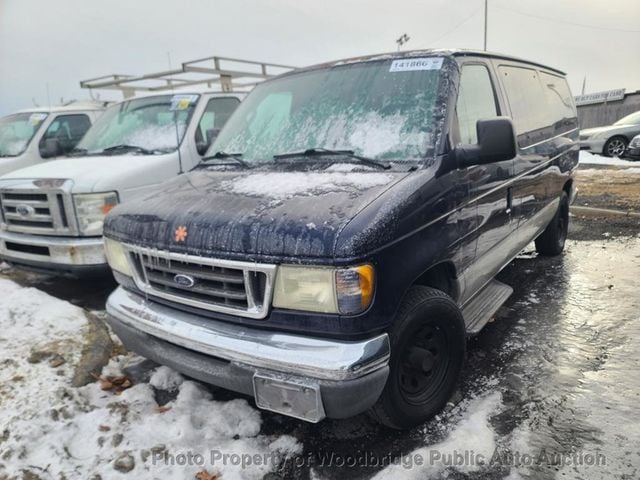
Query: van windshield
382	110
16	131
142	125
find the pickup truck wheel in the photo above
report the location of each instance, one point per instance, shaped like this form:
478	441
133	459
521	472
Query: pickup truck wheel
427	352
615	147
551	241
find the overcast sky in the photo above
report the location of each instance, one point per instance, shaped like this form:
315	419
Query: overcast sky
57	43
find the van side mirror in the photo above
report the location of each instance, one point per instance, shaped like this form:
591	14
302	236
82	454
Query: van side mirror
496	142
50	148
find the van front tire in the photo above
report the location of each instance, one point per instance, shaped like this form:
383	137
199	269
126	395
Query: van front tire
428	343
551	241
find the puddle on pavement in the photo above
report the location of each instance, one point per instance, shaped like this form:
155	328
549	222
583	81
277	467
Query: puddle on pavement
562	352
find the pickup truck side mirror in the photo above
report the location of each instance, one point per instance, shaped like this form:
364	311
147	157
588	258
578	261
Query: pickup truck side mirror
50	148
496	142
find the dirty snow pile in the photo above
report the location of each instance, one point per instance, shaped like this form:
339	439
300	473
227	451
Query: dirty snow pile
472	433
593	159
50	430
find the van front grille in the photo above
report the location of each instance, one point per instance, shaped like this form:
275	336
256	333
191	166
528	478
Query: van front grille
34	211
225	286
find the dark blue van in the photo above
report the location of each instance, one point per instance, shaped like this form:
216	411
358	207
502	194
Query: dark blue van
339	243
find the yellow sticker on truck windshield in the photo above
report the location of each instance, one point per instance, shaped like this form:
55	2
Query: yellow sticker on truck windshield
413	64
182	102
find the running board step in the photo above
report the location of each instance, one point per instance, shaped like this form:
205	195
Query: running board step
481	308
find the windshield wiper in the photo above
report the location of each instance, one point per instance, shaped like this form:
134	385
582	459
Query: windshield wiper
77	152
318	152
237	157
127	148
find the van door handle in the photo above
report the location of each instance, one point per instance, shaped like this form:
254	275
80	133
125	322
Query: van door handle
509	200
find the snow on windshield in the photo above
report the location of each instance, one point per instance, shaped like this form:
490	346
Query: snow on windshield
147	122
369	108
16	131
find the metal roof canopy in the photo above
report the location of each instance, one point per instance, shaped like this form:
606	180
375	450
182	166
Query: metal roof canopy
231	74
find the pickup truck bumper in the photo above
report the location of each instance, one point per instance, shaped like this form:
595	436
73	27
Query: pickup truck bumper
308	378
53	254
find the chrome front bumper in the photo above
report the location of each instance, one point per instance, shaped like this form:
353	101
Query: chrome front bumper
49	252
348	376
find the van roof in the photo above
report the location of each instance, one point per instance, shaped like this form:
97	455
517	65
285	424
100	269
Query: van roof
74	107
425	52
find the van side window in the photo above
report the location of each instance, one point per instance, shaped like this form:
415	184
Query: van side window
476	101
560	103
216	114
68	129
527	101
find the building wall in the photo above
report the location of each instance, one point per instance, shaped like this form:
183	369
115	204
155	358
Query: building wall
599	114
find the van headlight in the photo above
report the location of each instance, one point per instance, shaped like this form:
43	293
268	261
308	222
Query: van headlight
345	291
117	257
91	208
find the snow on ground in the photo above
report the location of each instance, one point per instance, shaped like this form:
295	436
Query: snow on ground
55	431
468	448
592	159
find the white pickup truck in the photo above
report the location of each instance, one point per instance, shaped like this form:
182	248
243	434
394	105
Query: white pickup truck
32	136
52	213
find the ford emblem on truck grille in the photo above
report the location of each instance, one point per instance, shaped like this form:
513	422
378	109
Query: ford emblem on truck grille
25	210
184	280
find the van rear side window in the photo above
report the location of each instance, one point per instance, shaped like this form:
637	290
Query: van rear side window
527	101
559	98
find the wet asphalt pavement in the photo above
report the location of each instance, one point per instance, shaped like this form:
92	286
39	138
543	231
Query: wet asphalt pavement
563	354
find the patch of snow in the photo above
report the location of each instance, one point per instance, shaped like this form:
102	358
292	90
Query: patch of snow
56	431
593	159
347	167
282	185
164	378
311	226
471	433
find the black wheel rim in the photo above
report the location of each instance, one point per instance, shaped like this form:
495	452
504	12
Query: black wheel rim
423	365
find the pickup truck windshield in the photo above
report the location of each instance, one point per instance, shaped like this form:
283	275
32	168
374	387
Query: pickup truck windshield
373	109
16	131
142	126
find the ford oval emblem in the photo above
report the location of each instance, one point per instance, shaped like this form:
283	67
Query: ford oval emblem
25	210
184	280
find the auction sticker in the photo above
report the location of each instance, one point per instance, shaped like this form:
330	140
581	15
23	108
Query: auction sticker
36	118
182	102
413	64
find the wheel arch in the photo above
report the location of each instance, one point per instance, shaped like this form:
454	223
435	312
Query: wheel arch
441	276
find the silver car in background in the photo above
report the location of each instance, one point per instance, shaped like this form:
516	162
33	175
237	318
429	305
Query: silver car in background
611	140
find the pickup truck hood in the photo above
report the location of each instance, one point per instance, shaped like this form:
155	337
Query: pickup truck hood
256	215
98	173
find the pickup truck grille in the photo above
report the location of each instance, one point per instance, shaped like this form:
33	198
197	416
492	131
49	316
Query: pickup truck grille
238	288
34	211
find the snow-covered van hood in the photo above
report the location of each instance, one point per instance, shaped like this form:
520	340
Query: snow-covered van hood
259	214
99	173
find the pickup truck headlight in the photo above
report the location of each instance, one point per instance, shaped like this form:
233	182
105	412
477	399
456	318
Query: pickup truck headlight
345	291
91	209
117	257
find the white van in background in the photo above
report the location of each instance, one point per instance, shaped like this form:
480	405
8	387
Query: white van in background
52	214
31	136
